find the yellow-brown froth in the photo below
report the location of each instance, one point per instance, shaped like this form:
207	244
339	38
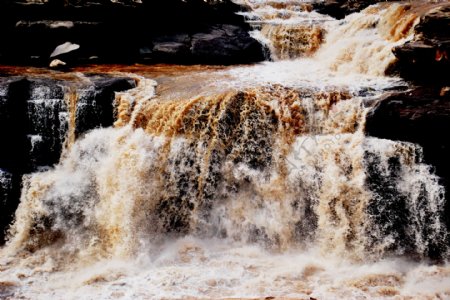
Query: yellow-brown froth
71	99
292	41
201	115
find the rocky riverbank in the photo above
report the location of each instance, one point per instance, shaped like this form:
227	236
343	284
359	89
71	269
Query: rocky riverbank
172	31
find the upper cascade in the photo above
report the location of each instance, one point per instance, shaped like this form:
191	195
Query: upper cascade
289	29
361	43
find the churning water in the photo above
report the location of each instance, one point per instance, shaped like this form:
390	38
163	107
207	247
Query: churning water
263	183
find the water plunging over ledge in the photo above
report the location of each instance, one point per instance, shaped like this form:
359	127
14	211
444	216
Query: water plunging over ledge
246	181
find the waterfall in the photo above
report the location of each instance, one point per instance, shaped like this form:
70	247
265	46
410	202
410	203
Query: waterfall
264	183
289	29
360	43
213	166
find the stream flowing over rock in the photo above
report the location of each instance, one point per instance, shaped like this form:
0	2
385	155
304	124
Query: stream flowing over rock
414	116
315	174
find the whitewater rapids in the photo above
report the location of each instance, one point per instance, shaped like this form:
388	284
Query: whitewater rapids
243	182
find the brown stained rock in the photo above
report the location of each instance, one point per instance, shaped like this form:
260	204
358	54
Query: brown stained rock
425	59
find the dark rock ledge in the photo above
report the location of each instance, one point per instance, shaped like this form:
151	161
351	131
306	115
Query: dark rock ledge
171	31
420	116
34	125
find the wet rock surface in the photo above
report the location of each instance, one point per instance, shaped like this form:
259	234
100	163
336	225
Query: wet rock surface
419	116
35	120
426	58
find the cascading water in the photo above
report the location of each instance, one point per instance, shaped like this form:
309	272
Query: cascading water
288	29
263	184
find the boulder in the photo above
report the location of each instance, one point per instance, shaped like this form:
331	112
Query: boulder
171	48
226	44
56	63
64	48
215	44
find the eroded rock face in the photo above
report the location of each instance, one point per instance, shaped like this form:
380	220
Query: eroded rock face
420	116
426	57
125	32
39	115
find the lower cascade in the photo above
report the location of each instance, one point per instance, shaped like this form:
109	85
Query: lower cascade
272	166
245	181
